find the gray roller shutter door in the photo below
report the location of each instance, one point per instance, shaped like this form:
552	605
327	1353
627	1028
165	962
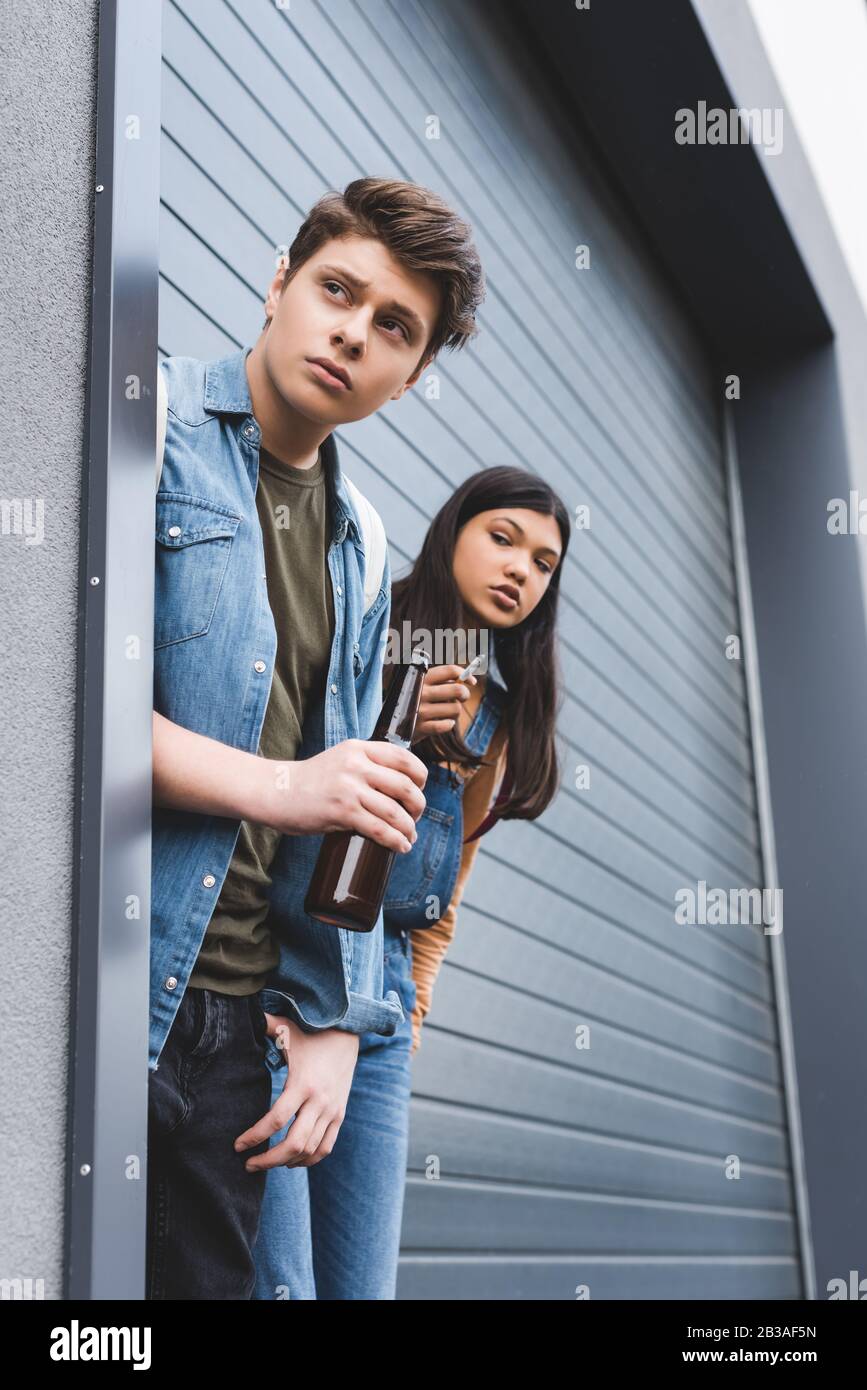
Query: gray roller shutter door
558	1167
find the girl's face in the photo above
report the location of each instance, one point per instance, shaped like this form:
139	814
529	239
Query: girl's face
503	561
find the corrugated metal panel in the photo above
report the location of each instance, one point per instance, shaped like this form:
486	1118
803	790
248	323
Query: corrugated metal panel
559	1167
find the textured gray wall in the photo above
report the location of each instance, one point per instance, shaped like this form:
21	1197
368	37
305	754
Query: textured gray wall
48	62
802	440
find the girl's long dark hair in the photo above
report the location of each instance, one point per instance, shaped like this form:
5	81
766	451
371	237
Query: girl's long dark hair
526	654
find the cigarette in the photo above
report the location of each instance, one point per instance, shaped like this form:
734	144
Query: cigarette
471	669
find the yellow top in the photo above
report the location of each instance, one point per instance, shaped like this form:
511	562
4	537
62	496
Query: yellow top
429	944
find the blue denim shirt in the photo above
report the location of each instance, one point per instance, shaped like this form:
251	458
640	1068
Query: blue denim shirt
215	644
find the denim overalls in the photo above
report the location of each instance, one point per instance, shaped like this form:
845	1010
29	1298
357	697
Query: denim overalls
422	882
332	1231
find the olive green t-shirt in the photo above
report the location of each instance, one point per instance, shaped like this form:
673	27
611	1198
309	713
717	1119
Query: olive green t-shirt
239	952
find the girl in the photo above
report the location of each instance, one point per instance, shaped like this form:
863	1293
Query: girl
489	567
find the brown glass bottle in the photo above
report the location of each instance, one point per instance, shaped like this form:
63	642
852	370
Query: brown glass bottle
351	874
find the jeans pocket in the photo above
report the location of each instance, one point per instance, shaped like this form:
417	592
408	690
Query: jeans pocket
413	873
207	1023
258	1023
188	1029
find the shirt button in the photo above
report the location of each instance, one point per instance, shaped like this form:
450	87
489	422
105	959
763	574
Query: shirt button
209	880
259	665
339	590
334	689
174	530
171	982
249	431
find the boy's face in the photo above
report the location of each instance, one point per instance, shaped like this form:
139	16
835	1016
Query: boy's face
353	305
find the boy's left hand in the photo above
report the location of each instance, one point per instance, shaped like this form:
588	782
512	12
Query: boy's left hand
319	1075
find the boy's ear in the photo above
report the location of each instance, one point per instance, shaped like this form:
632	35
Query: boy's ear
411	380
272	298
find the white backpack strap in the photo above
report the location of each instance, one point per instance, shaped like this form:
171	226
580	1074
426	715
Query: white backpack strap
373	532
162	414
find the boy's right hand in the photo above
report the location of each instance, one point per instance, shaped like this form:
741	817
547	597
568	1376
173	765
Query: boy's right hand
369	787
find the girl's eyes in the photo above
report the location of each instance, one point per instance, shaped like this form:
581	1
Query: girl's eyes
499	536
337	285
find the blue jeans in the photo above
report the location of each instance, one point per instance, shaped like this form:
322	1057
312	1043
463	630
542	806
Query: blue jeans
203	1206
332	1231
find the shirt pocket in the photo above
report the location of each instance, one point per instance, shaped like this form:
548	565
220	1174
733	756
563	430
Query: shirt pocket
193	544
413	873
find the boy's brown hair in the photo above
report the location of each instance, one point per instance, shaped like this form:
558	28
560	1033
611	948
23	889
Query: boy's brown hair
420	230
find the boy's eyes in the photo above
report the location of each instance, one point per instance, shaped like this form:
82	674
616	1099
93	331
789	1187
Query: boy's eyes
398	325
499	536
327	284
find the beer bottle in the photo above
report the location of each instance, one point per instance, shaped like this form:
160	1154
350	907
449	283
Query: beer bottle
351	874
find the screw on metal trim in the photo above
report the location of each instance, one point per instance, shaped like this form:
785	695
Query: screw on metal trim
95	579
85	1169
100	188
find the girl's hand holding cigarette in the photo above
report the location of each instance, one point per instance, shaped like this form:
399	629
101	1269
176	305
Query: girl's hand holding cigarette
442	695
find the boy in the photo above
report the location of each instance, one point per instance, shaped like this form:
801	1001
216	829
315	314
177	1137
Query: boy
267	676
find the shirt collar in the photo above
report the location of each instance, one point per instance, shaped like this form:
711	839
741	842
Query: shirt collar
227	392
